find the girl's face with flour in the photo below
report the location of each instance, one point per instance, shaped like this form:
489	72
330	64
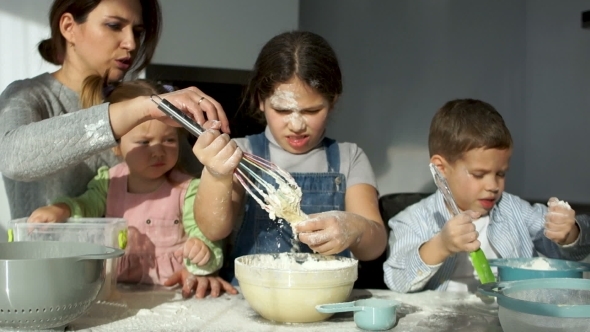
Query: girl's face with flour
296	115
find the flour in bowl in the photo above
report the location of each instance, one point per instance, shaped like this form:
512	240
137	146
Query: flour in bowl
298	262
538	264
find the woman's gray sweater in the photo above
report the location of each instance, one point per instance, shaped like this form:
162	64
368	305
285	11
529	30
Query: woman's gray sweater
48	147
51	148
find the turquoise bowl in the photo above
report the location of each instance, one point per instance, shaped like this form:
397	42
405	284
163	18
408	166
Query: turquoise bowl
511	269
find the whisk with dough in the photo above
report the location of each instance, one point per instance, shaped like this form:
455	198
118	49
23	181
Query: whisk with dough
280	199
283	201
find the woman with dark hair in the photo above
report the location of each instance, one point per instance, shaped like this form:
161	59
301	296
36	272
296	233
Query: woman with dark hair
50	147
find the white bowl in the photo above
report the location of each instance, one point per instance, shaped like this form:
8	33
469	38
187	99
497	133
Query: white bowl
286	287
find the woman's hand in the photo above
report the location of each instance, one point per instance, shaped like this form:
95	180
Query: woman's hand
194	102
199	285
126	115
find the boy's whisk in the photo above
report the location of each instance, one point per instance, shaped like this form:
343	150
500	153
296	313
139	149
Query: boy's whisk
281	199
478	258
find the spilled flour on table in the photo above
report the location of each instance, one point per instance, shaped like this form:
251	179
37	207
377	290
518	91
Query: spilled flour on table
446	311
155	311
472	313
135	313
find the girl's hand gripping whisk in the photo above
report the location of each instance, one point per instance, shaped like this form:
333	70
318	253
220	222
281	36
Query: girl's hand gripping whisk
218	153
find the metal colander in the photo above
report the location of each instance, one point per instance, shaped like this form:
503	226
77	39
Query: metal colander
46	285
542	305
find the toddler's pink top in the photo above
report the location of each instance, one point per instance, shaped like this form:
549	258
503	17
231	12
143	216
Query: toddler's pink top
155	226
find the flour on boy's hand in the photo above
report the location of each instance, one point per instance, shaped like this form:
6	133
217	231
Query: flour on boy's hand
554	202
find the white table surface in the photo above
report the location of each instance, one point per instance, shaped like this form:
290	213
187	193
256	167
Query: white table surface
158	309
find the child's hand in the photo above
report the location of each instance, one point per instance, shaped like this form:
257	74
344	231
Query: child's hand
560	222
218	153
330	233
195	251
50	213
459	234
199	284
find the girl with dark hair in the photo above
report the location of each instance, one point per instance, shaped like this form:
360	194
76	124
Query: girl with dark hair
49	146
295	84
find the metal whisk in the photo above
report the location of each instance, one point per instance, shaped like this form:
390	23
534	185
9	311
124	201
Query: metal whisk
272	199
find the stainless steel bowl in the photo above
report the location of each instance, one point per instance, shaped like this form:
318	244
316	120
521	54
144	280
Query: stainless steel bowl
47	284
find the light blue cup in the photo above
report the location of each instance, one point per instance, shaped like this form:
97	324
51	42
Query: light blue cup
369	314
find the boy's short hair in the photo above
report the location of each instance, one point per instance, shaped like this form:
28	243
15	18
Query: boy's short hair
465	124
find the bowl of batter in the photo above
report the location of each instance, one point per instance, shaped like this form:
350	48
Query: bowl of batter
286	287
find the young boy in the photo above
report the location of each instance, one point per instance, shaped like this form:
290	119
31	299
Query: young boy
471	146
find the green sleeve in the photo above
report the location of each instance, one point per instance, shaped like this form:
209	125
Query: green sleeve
192	230
92	203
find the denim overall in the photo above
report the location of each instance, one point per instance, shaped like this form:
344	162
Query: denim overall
322	191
